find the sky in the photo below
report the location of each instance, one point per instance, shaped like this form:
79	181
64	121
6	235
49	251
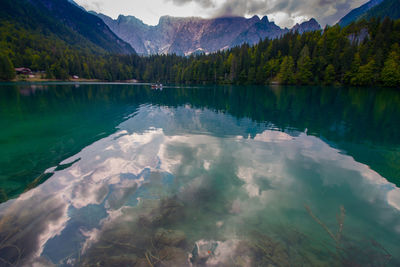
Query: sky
284	13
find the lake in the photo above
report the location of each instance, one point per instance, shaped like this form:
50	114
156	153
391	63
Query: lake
122	175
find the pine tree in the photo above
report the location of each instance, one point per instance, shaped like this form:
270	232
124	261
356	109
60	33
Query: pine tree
304	74
7	71
329	77
286	73
351	75
366	75
390	74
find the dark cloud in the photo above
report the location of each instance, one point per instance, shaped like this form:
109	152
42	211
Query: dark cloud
232	8
325	11
256	6
327	2
202	3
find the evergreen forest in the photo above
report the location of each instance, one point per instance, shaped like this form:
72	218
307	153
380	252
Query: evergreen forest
361	54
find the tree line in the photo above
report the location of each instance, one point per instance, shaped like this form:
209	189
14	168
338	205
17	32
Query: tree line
360	54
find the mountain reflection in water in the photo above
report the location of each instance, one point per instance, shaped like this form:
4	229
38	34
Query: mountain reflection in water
181	183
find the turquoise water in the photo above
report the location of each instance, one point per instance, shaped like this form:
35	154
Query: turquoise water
122	175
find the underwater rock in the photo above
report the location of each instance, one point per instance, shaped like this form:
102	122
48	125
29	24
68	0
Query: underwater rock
142	263
267	251
244	253
170	211
122	260
169	237
202	250
107	260
172	256
165	211
217	253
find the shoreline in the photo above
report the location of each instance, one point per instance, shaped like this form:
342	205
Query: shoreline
71	80
273	83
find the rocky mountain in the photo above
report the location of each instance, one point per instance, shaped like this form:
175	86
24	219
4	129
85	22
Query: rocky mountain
185	36
373	8
260	30
144	38
307	26
76	4
64	20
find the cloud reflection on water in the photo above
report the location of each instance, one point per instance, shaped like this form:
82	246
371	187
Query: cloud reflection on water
183	148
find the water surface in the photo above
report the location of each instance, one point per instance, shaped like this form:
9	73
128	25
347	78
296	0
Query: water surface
122	175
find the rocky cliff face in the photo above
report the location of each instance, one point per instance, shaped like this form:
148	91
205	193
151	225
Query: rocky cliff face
185	36
260	29
123	26
307	26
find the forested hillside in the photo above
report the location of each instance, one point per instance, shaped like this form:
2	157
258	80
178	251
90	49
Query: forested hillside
388	8
42	34
363	53
358	12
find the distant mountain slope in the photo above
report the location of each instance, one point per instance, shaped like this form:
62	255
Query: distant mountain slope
357	13
373	8
258	31
388	8
185	36
64	20
209	35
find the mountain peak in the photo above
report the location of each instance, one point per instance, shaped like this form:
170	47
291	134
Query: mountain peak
306	26
129	19
168	18
265	19
255	17
312	20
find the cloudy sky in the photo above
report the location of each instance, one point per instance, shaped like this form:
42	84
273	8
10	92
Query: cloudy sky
285	13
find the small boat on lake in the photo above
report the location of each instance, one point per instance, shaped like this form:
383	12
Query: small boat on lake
156	86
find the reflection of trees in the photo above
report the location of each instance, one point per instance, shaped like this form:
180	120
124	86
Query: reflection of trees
363	122
353	115
342	114
360	121
44	124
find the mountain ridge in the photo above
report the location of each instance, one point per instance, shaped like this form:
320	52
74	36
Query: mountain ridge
65	21
356	13
388	8
191	35
373	9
